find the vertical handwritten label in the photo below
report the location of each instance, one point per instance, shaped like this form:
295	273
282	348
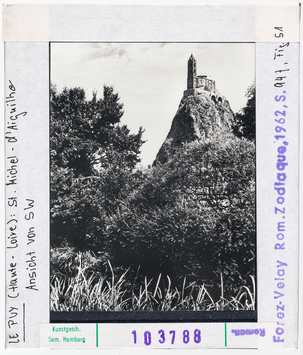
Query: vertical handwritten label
21	256
13	308
31	252
13	324
26	191
20	275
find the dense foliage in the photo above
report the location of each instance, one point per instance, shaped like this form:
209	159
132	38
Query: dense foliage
92	163
192	217
245	120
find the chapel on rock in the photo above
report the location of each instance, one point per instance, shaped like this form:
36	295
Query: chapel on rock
197	84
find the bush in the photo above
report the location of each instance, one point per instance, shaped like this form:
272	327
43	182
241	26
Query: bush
192	217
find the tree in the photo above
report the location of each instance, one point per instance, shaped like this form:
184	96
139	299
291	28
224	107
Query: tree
92	162
220	179
245	120
193	216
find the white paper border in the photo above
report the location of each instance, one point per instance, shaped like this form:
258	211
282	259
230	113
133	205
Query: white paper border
137	23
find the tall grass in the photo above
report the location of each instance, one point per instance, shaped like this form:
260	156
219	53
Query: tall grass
84	282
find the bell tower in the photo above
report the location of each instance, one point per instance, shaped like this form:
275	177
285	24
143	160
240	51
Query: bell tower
191	72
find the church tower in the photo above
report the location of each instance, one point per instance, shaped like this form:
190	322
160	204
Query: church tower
191	72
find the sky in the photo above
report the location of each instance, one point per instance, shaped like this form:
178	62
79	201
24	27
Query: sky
150	78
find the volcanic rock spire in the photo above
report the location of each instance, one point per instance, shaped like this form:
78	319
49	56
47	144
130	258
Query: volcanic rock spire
203	112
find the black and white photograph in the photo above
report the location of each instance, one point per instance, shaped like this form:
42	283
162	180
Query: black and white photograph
152	177
151	172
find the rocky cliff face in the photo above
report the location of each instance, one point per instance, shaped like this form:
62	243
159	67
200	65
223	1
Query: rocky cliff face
199	116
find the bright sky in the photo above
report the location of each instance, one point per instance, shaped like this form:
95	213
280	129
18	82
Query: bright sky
150	78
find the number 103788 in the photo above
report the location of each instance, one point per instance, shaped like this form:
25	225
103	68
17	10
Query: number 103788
168	337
